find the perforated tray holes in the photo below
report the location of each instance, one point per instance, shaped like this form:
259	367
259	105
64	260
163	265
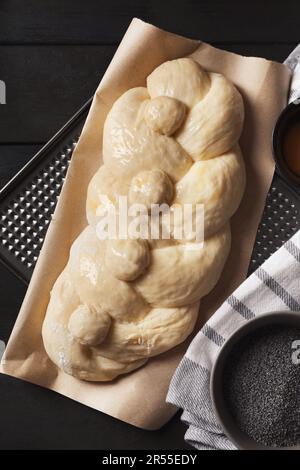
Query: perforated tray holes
24	221
279	223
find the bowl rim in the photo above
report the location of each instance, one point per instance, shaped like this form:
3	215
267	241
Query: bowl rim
240	439
291	178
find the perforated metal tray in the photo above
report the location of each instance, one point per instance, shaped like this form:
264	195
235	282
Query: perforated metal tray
280	220
28	201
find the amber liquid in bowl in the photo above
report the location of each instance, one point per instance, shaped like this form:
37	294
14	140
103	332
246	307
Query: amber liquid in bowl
291	148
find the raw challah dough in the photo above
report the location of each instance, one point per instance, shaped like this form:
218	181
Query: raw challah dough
119	302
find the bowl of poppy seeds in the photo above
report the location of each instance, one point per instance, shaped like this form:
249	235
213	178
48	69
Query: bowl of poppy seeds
255	383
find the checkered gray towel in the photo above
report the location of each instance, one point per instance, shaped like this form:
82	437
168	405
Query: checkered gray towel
274	286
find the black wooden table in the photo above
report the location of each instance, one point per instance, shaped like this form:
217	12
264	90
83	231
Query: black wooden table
52	56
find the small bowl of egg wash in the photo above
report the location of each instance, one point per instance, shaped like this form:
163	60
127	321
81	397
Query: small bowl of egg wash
286	144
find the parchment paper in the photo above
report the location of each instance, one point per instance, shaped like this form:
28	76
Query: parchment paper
139	398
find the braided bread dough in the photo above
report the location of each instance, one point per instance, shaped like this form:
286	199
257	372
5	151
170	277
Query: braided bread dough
119	302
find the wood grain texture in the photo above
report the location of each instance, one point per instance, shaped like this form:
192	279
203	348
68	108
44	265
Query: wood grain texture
13	158
102	21
45	86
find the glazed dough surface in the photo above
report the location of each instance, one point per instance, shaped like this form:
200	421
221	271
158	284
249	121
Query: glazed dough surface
119	302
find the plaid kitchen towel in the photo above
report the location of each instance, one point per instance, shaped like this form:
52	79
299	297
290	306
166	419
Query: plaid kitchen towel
273	286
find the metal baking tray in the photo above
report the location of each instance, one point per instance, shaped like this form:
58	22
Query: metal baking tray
27	203
280	221
28	200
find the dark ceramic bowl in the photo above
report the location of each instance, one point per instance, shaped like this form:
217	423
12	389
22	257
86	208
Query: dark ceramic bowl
224	417
289	116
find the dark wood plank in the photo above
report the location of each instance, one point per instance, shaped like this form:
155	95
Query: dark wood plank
12	293
47	84
94	21
44	86
13	158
